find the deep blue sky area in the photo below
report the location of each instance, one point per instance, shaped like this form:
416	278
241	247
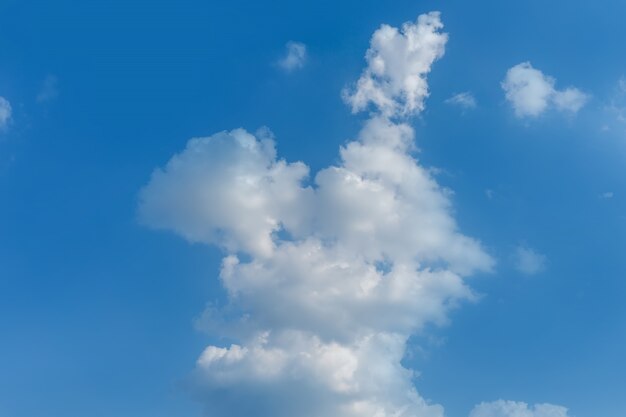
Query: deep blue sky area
97	312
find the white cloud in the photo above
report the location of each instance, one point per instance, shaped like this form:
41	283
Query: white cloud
571	99
398	61
464	100
227	189
503	408
528	261
531	93
607	195
326	281
5	112
295	56
49	90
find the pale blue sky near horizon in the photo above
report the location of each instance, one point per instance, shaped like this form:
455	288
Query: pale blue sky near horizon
97	312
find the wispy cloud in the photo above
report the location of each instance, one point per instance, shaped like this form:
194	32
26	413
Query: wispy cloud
5	112
503	408
49	90
617	103
531	92
464	100
295	56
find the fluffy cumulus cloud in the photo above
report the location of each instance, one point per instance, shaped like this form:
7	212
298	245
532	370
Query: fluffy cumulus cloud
464	100
531	92
503	408
398	61
5	112
295	56
528	261
327	276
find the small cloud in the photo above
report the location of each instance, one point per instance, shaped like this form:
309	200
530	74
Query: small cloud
295	56
528	261
531	92
464	100
571	99
49	91
503	408
607	195
490	194
5	112
617	103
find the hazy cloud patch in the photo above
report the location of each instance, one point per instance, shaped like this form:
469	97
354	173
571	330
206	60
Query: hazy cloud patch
295	56
49	90
528	261
503	408
5	112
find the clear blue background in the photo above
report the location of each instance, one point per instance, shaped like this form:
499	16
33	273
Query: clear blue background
96	313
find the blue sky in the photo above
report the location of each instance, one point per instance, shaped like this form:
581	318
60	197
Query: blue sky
99	313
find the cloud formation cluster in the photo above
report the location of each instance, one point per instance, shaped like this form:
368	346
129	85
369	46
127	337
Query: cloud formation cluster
327	280
327	277
531	92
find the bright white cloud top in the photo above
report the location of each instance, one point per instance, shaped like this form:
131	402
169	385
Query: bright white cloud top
295	56
502	408
5	112
398	62
326	279
531	92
